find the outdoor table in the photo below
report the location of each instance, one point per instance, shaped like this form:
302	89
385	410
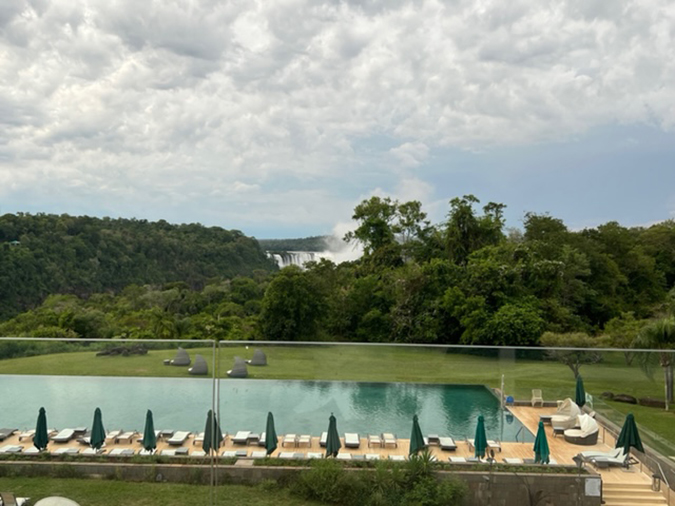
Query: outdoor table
546	419
557	431
56	501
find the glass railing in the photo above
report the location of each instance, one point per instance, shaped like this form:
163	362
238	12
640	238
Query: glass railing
371	389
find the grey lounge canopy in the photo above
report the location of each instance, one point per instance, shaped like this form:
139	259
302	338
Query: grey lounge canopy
199	366
259	358
181	358
239	369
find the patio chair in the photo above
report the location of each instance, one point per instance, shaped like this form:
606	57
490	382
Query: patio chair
5	433
290	439
9	499
586	434
616	453
566	415
259	358
178	438
447	444
199	368
352	440
64	436
239	369
126	437
537	397
241	437
181	359
389	439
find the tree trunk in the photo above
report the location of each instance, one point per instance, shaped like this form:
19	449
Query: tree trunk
668	377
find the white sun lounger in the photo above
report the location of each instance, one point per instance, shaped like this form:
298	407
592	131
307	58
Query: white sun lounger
126	437
291	455
344	456
199	438
241	437
88	452
314	455
5	433
304	439
447	444
28	434
323	439
66	451
389	439
122	452
372	456
352	440
512	460
235	453
64	436
616	453
167	453
178	438
374	440
397	458
290	439
457	460
198	453
259	454
111	435
11	449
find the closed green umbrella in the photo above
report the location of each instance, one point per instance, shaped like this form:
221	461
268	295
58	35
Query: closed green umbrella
97	437
416	438
270	435
541	451
480	441
213	436
333	440
580	395
149	437
629	436
41	438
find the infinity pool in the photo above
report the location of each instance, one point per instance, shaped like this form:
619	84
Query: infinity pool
298	406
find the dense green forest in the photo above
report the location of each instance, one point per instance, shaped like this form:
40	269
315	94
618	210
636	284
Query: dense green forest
464	280
314	243
47	254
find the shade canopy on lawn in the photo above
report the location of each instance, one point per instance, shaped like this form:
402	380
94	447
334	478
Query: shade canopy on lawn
541	451
580	394
270	435
416	437
480	441
41	438
629	437
213	436
333	444
149	436
97	437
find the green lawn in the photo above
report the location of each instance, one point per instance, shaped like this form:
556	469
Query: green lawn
115	493
386	364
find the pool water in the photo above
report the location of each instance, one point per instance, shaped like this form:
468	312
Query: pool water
301	407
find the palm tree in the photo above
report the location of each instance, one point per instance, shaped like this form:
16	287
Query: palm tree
659	335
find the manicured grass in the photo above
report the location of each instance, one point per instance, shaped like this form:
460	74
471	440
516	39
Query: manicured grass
386	364
116	493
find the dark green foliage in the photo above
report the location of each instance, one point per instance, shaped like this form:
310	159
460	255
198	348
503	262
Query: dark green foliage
412	483
46	254
315	243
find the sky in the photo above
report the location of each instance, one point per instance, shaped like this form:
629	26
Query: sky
278	117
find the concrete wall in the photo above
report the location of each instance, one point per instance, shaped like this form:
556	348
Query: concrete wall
497	489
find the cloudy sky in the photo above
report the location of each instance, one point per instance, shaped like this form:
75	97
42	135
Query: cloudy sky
278	117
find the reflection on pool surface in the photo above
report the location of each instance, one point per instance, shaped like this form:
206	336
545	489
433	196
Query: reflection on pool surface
298	406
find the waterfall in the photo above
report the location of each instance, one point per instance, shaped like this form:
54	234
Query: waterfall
299	258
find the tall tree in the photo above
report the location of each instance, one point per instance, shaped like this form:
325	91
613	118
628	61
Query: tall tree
659	335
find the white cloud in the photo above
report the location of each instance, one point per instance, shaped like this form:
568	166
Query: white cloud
168	101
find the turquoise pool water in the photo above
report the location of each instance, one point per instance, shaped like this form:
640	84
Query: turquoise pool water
298	406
